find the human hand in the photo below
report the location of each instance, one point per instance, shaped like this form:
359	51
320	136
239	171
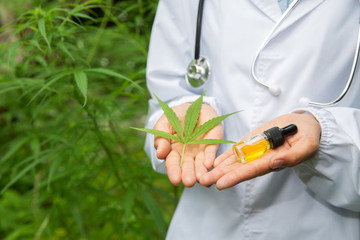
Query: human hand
198	158
228	171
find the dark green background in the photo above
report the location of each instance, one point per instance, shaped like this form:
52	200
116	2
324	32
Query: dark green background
70	169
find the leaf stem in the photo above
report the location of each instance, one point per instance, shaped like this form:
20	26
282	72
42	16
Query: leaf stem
182	155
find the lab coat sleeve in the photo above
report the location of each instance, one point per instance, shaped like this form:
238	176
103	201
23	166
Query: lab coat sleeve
170	52
334	173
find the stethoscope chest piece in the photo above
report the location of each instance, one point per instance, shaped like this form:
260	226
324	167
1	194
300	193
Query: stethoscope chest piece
198	72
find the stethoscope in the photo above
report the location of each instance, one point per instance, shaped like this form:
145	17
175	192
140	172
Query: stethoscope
198	71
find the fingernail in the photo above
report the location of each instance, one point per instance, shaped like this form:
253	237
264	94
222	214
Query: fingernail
277	164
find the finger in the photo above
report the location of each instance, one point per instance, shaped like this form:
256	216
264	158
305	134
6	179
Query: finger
296	154
163	147
210	154
200	169
228	153
214	175
172	164
211	150
243	171
188	171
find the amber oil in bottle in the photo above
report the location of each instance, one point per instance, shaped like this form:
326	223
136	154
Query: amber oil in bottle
255	146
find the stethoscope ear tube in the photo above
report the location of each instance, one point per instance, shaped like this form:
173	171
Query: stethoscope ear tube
349	81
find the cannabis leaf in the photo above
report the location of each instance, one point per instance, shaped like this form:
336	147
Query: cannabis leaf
188	135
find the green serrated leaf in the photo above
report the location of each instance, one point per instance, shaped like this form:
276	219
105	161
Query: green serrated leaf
172	118
42	30
205	127
70	21
12	53
113	74
55	78
192	116
159	133
81	15
81	82
41	60
210	141
36	44
191	120
65	50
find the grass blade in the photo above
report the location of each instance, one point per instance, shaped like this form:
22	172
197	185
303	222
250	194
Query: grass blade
42	30
159	133
210	141
173	119
20	174
192	116
12	54
129	204
70	21
82	82
76	213
208	125
10	89
36	44
53	167
51	81
65	50
14	147
154	209
113	74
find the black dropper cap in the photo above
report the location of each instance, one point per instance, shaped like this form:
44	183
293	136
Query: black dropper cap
276	135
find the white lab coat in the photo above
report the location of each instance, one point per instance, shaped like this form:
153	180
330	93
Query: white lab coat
309	55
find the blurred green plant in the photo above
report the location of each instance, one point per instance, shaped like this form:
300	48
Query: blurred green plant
72	80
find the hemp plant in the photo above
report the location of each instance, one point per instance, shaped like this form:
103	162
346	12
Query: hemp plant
189	134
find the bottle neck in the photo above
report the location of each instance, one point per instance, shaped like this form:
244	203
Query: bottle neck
267	137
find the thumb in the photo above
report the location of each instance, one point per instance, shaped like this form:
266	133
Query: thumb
296	154
162	147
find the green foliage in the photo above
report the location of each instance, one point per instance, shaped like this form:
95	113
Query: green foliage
71	84
188	135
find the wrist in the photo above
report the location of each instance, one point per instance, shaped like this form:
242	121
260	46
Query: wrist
307	113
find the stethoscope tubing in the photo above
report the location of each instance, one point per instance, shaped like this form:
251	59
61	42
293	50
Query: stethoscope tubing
304	101
198	29
275	90
350	79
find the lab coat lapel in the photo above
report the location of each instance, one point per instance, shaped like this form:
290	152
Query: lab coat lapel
268	7
301	9
272	10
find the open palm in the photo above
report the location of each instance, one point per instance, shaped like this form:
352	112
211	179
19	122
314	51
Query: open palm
198	158
228	171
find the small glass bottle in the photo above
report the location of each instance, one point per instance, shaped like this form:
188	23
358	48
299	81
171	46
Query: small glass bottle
255	146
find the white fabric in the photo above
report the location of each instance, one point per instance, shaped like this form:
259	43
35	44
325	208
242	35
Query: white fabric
309	55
